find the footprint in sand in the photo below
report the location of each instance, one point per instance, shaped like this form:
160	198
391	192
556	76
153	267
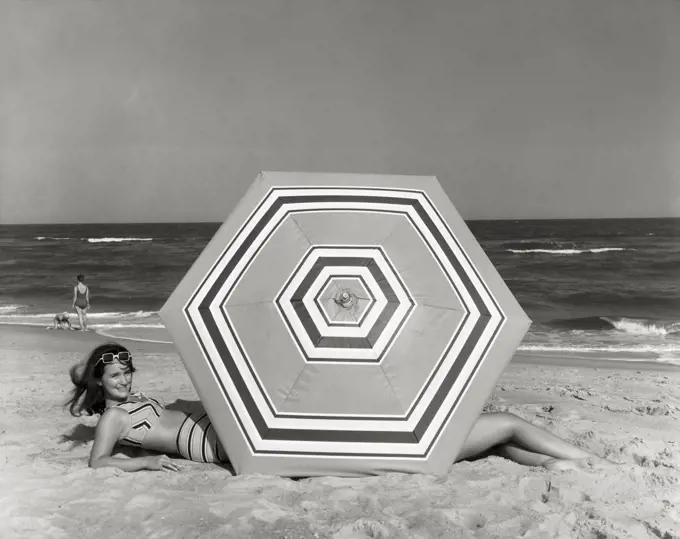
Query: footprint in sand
362	529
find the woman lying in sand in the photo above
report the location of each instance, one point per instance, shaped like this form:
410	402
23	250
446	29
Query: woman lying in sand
103	386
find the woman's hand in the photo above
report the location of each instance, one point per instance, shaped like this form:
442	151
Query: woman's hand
161	462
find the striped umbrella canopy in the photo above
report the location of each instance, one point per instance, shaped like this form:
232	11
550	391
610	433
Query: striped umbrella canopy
343	324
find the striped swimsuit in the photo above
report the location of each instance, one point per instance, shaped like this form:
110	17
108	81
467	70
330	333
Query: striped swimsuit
196	439
144	415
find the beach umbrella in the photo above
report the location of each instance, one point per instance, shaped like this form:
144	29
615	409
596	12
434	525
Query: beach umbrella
343	324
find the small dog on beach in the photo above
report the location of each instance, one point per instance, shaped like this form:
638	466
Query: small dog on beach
61	321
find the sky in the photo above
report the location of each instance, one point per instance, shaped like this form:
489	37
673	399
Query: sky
166	110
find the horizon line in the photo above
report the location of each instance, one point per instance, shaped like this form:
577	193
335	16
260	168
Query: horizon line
464	219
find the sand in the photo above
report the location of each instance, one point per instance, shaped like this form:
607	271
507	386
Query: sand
628	411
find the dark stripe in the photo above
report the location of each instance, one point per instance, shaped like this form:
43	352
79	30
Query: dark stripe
179	434
218	453
235	376
311	435
143	423
307	322
449	380
205	442
156	401
326	261
249	240
383	283
319	341
190	443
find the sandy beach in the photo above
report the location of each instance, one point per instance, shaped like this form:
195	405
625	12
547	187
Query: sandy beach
628	411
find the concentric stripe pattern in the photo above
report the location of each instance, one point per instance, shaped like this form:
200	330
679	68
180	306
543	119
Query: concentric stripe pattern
344	305
346	268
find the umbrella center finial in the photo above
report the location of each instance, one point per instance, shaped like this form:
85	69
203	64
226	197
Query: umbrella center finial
345	299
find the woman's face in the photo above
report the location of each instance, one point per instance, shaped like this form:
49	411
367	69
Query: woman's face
116	381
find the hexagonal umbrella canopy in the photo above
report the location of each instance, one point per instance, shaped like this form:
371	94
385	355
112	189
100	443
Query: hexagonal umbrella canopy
343	324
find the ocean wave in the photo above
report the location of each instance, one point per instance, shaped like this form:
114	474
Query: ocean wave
43	238
106	332
666	352
138	326
116	240
8	312
632	326
535	243
11	308
131	314
671	358
644	327
94	239
569	251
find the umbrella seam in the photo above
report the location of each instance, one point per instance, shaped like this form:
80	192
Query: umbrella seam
292	218
394	394
294	384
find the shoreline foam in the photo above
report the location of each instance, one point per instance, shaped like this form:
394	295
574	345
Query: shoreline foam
157	334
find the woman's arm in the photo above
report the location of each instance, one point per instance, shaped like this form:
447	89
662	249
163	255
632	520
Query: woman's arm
87	296
75	295
111	428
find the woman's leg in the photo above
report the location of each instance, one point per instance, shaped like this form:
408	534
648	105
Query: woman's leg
521	456
518	440
80	317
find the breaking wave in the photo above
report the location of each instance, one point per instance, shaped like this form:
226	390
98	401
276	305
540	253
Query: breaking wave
52	238
11	308
9	311
555	248
93	240
568	251
116	240
669	353
632	326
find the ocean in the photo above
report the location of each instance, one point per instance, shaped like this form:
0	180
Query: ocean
605	286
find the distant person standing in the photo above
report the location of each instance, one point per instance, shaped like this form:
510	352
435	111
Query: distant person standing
81	301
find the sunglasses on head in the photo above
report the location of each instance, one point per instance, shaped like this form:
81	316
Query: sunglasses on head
121	357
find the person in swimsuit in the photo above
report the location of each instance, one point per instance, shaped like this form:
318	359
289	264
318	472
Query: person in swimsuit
81	301
103	386
60	321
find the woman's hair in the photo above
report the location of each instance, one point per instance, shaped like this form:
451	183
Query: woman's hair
88	396
80	277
